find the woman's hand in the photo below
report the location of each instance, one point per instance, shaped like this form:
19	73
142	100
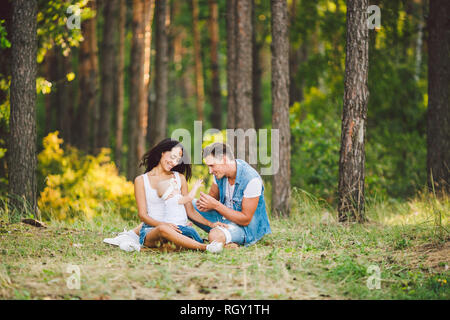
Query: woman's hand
198	184
173	226
206	202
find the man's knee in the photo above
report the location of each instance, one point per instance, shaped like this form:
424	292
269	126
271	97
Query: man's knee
216	235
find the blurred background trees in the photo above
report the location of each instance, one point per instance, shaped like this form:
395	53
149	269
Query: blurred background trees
138	69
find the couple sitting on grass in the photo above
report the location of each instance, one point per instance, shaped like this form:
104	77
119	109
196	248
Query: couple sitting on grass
233	213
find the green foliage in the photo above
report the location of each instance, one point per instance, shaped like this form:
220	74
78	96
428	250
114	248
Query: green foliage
4	42
52	25
77	186
315	153
397	103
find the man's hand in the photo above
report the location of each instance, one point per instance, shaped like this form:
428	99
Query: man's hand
218	224
206	202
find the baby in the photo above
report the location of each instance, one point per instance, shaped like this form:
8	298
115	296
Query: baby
169	191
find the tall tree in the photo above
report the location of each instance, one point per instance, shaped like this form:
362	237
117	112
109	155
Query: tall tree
216	114
199	81
438	114
64	96
298	54
143	121
244	63
138	82
107	73
356	95
50	75
159	122
257	70
119	81
88	82
22	139
281	191
231	63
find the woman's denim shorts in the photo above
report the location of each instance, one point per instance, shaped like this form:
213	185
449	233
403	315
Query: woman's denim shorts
186	231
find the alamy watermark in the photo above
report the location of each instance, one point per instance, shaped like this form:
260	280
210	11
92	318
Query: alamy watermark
374	280
74	280
74	20
251	141
374	20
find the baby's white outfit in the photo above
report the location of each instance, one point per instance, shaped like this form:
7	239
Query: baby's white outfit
175	212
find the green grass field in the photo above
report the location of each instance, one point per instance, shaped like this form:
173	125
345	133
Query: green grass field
309	256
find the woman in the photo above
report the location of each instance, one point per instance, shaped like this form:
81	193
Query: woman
166	160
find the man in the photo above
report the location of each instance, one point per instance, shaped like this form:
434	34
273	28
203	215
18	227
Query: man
236	198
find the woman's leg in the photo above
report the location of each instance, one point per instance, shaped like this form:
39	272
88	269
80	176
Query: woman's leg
162	232
138	228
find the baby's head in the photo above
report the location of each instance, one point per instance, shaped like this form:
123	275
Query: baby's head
166	188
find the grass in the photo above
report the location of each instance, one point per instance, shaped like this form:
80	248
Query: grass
309	256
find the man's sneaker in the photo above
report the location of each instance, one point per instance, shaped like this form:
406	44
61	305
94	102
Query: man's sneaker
215	247
123	236
129	246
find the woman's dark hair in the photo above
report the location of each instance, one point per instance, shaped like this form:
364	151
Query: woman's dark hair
152	157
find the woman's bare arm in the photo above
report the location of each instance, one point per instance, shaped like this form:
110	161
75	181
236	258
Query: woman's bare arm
190	196
139	194
191	213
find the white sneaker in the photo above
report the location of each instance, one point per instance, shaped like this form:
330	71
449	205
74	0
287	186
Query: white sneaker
214	247
129	246
123	236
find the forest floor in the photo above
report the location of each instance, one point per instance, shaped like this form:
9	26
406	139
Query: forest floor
303	258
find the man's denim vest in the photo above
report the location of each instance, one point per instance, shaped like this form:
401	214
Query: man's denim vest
259	225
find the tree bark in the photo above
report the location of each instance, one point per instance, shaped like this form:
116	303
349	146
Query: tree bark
199	81
139	78
64	97
107	74
143	121
256	74
51	75
356	94
22	139
119	82
231	63
159	123
88	83
216	115
281	191
438	114
244	63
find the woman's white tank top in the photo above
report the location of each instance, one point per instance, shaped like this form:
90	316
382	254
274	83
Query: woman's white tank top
156	208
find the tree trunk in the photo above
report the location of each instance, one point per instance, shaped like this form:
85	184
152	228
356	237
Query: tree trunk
231	64
216	115
138	82
244	105
143	121
88	82
22	139
159	123
438	115
297	56
51	75
356	94
257	74
199	82
107	78
64	97
119	82
281	192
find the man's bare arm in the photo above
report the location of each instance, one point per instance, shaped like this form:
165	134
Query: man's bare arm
243	217
214	192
